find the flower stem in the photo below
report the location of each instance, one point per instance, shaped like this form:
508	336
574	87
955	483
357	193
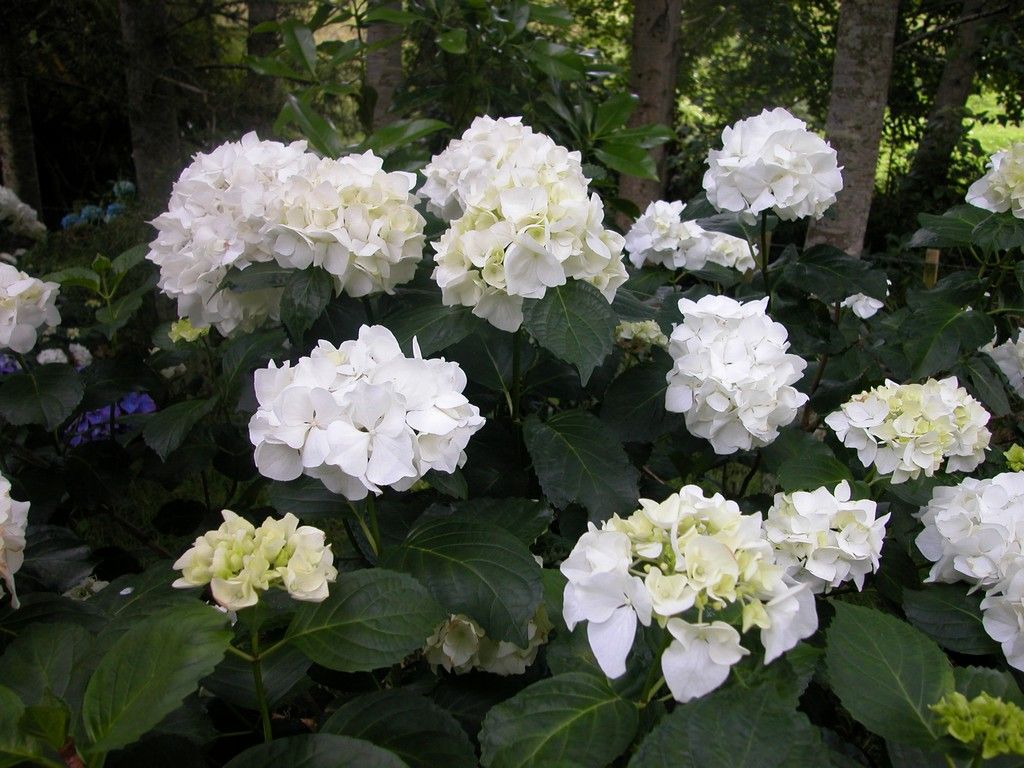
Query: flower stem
371	507
261	693
516	383
764	258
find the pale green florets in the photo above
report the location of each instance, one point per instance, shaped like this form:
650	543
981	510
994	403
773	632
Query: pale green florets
994	726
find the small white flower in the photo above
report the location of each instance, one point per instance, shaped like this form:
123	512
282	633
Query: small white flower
1001	189
13	520
824	538
239	561
26	306
974	531
699	657
864	306
522	220
80	355
908	430
772	162
660	236
1009	356
460	645
50	356
731	375
1003	615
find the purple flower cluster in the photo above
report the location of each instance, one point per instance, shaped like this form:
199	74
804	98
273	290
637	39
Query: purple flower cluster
8	365
103	423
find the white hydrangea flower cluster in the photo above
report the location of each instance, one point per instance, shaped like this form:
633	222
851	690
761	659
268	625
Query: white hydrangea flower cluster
460	645
640	336
660	236
26	305
19	218
771	162
252	202
239	560
974	532
1001	189
1009	356
909	429
362	416
731	374
522	221
682	562
13	520
824	538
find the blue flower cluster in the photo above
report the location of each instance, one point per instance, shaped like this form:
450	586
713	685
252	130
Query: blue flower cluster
103	423
94	214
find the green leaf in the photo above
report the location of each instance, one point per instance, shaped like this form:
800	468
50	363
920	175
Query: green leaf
832	275
525	519
433	325
116	316
952	229
45	394
950	616
553	15
232	680
634	405
629	159
148	672
613	113
400	133
412	726
388	15
81	277
246	352
476	569
453	41
47	659
976	372
316	750
306	295
572	719
305	496
999	232
16	746
372	619
450	484
812	471
973	681
757	727
886	674
936	332
555	60
299	42
167	429
578	459
321	133
573	322
130	258
256	277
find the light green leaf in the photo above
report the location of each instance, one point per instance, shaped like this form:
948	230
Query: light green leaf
453	41
476	569
412	726
316	750
130	258
573	322
45	394
759	729
398	134
578	459
613	113
629	159
299	42
81	277
886	674
572	719
372	619
148	672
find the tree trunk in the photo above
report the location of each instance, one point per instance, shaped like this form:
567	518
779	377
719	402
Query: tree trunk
945	127
384	65
262	90
860	89
652	77
17	146
152	113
